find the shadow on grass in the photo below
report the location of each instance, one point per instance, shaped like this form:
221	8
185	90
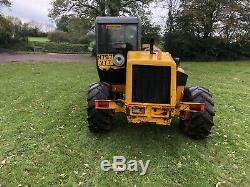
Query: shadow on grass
127	139
144	139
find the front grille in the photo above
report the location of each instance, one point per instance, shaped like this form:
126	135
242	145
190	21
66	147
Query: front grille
151	84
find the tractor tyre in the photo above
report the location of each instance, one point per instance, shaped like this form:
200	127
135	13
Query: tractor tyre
200	124
98	120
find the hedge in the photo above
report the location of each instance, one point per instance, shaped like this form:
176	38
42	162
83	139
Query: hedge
51	47
193	48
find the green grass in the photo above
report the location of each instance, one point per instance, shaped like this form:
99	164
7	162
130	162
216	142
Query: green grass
44	139
38	39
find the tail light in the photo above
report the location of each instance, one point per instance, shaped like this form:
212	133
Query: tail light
101	104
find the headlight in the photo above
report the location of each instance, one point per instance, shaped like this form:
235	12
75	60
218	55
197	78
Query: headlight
119	60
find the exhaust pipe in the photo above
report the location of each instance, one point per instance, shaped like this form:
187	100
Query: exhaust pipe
152	46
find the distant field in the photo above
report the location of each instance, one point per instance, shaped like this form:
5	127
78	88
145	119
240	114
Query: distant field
38	39
44	139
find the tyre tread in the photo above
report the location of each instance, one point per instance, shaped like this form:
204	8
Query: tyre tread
98	120
200	124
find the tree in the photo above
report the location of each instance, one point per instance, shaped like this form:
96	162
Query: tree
245	20
84	12
12	31
173	8
90	9
208	18
4	3
63	23
208	29
231	24
198	17
150	31
78	29
6	31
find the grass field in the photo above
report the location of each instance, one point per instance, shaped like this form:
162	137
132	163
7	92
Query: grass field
38	39
44	139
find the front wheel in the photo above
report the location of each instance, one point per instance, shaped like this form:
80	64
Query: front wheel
200	124
98	120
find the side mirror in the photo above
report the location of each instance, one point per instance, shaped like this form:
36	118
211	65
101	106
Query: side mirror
177	61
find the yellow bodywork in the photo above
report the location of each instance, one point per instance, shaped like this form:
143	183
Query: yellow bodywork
145	58
160	114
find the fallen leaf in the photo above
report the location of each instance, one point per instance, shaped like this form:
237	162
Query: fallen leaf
179	165
220	183
63	175
76	172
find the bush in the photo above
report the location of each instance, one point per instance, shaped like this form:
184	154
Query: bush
6	31
194	48
58	36
84	39
52	47
11	32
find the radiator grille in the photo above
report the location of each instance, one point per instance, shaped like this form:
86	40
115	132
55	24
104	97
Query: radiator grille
151	84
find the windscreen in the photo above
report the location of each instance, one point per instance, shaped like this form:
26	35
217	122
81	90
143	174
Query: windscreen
108	35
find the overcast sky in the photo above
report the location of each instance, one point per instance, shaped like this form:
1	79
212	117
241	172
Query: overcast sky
38	10
31	10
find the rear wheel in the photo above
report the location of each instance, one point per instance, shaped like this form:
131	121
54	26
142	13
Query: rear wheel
98	120
200	124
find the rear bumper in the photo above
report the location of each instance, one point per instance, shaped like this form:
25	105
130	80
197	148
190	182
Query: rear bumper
159	115
148	113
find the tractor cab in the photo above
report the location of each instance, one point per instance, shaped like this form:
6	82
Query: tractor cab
114	38
115	34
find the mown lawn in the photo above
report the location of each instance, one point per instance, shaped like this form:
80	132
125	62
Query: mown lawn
44	139
38	39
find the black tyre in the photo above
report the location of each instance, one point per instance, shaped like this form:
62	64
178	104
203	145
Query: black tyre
98	120
200	124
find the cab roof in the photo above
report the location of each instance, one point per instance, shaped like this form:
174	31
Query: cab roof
121	20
